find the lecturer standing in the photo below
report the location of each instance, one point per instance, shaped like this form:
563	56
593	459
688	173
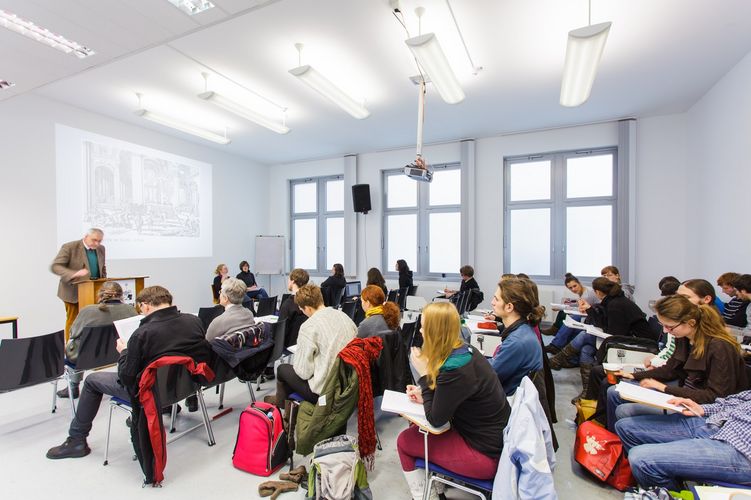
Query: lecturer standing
78	260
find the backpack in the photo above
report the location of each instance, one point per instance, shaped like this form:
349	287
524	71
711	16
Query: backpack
261	447
336	471
248	337
601	452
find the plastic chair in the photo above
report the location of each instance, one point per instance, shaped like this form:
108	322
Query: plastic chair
266	307
349	308
96	350
412	290
277	331
393	295
31	361
479	487
208	314
173	384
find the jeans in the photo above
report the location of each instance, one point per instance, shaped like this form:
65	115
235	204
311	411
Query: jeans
259	293
618	408
585	344
663	449
95	386
563	336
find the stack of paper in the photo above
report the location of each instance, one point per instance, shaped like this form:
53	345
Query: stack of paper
126	327
651	397
590	329
398	402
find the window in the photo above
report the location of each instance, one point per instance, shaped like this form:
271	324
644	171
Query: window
560	214
317	223
419	217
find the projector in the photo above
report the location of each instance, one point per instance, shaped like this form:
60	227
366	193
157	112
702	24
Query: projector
419	174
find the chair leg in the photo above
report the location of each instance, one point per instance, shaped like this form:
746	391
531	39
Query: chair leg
107	442
174	418
221	396
54	395
250	390
206	420
70	391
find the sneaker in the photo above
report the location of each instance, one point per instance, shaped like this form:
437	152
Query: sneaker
71	448
63	393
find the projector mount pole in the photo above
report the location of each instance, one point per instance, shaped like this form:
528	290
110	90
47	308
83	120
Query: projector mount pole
420	116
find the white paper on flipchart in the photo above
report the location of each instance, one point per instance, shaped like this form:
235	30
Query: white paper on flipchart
126	327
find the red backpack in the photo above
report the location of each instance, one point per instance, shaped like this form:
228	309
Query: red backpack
601	452
261	447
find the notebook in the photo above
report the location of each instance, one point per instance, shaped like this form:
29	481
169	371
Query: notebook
398	402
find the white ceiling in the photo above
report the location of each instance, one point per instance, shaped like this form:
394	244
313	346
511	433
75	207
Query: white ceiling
661	56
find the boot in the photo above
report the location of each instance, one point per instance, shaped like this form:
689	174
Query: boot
71	448
584	372
276	488
416	482
63	393
560	360
552	349
551	330
297	475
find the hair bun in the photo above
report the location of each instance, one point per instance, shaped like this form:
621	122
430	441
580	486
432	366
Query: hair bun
569	275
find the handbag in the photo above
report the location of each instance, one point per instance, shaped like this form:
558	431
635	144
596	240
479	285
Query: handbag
601	452
585	408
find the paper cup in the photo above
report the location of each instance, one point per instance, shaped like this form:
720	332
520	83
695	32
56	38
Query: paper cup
610	370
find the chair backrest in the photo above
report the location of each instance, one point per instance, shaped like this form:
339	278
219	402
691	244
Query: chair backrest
412	290
266	306
393	295
402	297
277	331
285	296
174	383
97	347
31	360
214	293
207	314
349	308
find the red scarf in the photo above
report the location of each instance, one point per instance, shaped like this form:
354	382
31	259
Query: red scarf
359	354
153	414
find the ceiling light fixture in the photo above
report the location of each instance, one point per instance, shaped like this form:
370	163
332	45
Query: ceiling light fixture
240	110
583	52
323	86
192	7
432	60
181	126
43	35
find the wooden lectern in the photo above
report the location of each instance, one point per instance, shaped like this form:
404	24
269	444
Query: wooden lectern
89	289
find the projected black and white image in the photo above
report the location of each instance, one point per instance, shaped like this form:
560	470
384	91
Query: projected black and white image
132	193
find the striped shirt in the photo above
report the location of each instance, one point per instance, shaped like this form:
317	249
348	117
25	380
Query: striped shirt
733	415
735	313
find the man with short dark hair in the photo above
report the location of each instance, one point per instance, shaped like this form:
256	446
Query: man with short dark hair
742	285
77	260
289	311
736	309
163	331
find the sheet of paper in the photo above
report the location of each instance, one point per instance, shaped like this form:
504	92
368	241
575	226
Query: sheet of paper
721	493
126	327
638	394
267	319
398	402
292	348
590	329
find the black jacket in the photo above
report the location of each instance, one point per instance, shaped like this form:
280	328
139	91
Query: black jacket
165	331
391	371
249	278
618	315
295	318
468	285
331	288
405	279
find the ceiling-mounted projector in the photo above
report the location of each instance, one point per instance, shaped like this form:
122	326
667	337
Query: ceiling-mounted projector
418	171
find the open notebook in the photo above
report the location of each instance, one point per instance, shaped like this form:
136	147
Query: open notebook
651	397
398	402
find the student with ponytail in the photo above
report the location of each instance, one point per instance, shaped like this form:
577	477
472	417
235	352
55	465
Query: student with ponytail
381	317
520	352
707	362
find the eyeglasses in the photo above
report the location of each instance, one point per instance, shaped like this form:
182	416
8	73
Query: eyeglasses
670	328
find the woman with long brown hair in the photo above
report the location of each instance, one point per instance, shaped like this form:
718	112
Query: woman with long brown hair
381	317
707	361
457	384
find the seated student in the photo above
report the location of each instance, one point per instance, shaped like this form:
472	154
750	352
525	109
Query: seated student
456	384
253	290
708	442
520	352
698	291
742	284
289	311
235	316
405	275
376	278
613	274
707	361
468	281
381	317
736	309
222	273
332	287
564	334
321	337
163	331
109	308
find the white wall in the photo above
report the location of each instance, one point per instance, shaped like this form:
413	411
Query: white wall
28	212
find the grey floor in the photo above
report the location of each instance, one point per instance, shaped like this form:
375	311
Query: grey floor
194	470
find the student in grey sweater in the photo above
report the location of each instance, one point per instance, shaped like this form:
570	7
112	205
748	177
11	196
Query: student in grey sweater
235	316
109	308
381	317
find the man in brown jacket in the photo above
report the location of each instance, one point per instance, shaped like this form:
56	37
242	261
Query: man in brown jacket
75	261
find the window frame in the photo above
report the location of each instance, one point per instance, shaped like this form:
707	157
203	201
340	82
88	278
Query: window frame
321	215
423	211
558	205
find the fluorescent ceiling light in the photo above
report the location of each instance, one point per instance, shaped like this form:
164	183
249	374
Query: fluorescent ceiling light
583	52
192	7
43	35
433	61
183	127
244	112
323	86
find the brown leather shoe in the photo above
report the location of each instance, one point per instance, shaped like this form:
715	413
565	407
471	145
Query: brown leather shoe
276	488
297	475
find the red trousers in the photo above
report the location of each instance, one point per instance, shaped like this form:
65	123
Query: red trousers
449	450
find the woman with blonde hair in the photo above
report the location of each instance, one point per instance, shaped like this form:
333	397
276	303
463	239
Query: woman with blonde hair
456	384
381	317
707	360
